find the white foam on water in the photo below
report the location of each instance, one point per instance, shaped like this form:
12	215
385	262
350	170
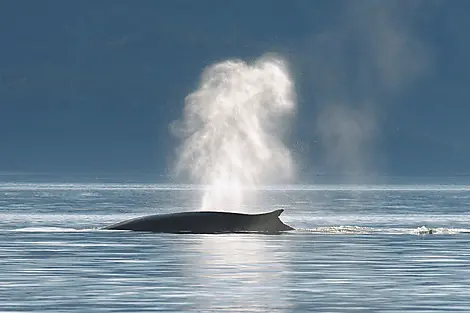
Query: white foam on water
363	230
48	230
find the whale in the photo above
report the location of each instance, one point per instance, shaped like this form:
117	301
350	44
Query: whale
205	222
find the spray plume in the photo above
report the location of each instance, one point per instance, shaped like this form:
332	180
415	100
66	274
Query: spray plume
232	130
365	56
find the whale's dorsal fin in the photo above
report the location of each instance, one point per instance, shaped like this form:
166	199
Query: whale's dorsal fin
274	213
271	222
277	212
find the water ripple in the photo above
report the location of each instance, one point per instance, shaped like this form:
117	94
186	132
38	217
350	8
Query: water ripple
372	253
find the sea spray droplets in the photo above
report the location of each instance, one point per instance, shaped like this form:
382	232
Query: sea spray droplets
232	130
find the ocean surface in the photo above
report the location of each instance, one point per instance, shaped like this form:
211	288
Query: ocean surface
361	248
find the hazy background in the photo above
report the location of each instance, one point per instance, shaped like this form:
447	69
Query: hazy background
92	86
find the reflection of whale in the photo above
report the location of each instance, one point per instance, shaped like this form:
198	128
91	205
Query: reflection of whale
206	222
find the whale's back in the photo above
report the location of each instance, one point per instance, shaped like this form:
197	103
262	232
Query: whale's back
205	222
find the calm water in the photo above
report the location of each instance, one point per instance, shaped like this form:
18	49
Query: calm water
355	250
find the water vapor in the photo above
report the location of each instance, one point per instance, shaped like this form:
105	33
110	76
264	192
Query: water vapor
233	128
369	53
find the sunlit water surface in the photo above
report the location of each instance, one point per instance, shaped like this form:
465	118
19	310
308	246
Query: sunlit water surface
356	249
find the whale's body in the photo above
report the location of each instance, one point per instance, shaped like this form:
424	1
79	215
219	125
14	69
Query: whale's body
205	222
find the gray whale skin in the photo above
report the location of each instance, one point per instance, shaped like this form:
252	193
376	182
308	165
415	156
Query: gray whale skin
206	222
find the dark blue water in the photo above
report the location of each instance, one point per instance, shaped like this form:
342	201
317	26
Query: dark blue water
356	249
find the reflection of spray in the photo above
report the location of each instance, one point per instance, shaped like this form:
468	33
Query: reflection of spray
227	268
232	130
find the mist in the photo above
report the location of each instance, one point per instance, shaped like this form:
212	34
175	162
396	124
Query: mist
356	67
